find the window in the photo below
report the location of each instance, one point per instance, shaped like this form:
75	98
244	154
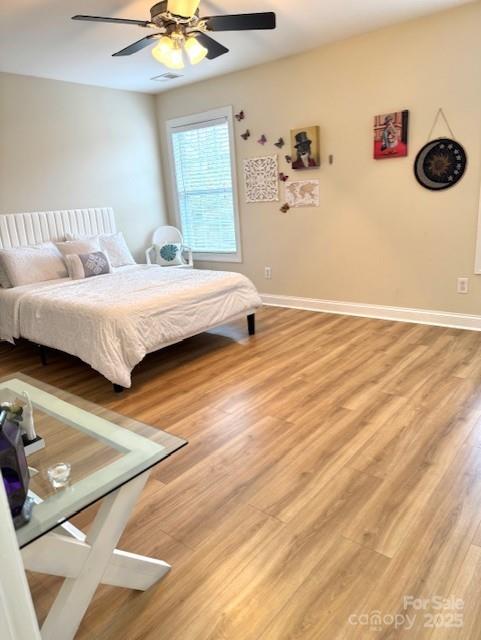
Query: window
203	168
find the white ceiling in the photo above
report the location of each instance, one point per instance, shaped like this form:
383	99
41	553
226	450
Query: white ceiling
38	38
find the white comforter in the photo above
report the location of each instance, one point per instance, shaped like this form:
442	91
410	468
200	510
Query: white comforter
112	321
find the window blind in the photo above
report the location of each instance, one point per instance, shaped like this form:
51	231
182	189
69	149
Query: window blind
203	176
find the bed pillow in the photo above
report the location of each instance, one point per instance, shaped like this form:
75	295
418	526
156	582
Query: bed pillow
169	254
117	250
88	245
113	244
87	265
37	263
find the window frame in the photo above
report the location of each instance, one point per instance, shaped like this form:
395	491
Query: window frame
193	121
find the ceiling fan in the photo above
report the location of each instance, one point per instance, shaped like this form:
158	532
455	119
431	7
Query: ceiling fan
180	28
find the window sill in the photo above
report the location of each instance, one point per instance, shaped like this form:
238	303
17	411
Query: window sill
217	257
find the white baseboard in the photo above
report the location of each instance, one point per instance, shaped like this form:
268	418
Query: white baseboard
400	314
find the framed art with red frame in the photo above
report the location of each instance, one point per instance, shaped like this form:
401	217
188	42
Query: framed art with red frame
391	135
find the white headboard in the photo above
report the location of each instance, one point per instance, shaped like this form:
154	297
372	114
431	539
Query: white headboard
20	229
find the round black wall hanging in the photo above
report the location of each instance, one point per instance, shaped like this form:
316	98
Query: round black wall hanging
440	164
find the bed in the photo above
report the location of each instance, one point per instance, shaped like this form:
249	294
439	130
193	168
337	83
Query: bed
112	321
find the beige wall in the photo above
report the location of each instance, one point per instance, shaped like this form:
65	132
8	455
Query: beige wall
64	146
378	237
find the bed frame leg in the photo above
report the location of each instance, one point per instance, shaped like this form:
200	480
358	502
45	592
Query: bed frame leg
118	388
251	324
43	355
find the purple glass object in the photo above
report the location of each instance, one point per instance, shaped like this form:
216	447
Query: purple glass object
14	468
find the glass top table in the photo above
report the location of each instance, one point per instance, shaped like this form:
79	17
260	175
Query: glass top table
105	450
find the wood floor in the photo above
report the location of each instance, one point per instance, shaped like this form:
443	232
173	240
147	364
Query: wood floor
334	468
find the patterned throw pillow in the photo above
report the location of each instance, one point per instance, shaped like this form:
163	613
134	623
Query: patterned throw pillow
95	264
170	254
87	265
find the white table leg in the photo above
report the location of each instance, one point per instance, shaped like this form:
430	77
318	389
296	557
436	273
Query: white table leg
59	555
17	615
92	561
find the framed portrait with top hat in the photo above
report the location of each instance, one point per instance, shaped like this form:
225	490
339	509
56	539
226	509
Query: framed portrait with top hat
305	148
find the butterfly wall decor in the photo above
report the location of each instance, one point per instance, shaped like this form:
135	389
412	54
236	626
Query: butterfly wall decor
240	116
285	208
262	140
283	177
280	143
246	135
288	159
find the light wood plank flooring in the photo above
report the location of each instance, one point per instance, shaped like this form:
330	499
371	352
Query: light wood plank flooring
334	467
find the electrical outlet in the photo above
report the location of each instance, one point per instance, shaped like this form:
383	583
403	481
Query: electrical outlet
463	285
268	273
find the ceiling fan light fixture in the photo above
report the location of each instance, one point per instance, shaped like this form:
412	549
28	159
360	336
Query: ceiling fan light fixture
162	50
176	60
195	50
171	55
183	8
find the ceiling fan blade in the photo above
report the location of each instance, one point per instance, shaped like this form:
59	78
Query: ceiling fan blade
214	48
242	22
137	46
139	23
